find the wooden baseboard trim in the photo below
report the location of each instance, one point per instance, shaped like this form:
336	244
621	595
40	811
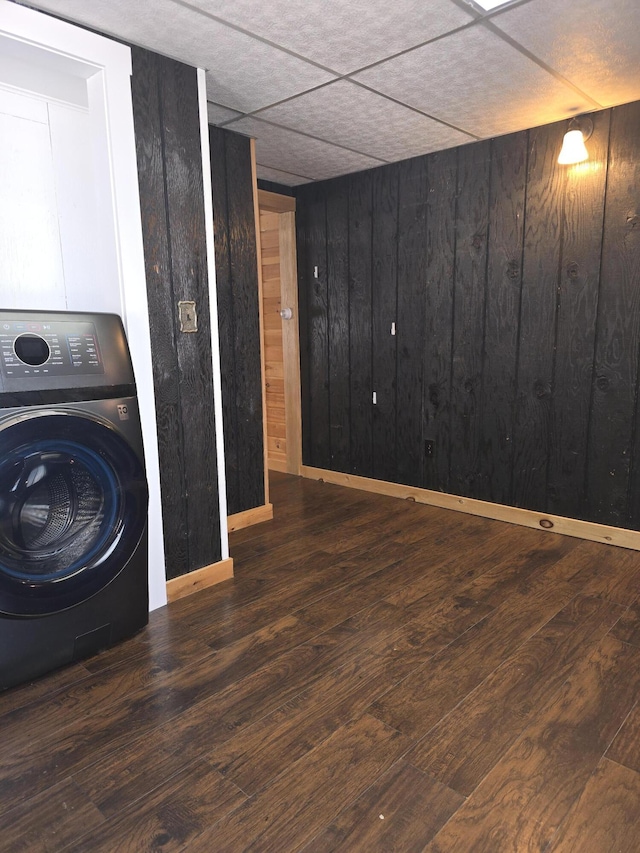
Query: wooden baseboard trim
276	465
199	579
239	520
619	536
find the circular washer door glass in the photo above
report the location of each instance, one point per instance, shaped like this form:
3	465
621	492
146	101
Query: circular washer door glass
73	506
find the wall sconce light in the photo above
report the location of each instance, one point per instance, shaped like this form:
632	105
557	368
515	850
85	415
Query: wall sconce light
573	148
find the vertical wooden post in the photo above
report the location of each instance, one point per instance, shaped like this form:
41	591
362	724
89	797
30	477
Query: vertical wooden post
256	210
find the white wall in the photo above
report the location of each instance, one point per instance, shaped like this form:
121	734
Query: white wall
52	254
30	250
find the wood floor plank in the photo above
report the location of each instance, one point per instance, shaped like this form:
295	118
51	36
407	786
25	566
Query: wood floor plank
606	817
517	571
408	647
628	628
312	578
46	687
210	705
625	748
315	579
50	821
171	818
42	719
422	698
282	553
341	604
36	767
461	749
134	771
309	795
434	527
176	743
259	752
87	741
236	593
522	802
238	659
617	576
253	756
401	811
139	769
490	571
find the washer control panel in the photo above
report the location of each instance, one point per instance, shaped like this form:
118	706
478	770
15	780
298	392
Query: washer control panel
60	348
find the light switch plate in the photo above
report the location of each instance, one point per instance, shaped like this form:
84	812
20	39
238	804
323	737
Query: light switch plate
188	316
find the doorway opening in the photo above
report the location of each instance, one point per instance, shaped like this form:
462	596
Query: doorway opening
280	332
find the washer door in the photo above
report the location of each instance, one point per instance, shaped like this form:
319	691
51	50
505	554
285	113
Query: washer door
73	507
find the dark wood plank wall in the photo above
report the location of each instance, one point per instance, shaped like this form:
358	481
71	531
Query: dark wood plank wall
412	207
238	318
384	270
338	325
513	283
502	311
469	300
577	307
537	327
440	240
614	402
359	326
165	103
319	437
273	187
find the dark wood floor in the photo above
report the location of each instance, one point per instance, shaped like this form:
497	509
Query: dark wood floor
379	676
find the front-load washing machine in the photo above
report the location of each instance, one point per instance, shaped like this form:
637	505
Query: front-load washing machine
73	492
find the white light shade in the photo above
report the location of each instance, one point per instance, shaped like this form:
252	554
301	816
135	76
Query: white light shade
487	5
573	148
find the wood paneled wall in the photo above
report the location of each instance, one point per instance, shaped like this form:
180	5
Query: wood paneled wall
165	101
238	318
514	286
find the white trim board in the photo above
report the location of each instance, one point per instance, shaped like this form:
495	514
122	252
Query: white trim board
213	309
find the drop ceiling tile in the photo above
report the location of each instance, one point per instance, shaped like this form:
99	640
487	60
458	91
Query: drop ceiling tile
593	43
312	159
218	114
357	118
279	177
343	36
243	73
477	82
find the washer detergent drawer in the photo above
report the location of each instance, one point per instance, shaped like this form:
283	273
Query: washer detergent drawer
73	507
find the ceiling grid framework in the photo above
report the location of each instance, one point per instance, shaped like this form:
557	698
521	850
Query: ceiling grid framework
328	87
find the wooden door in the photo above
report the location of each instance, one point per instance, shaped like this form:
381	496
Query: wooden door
281	342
